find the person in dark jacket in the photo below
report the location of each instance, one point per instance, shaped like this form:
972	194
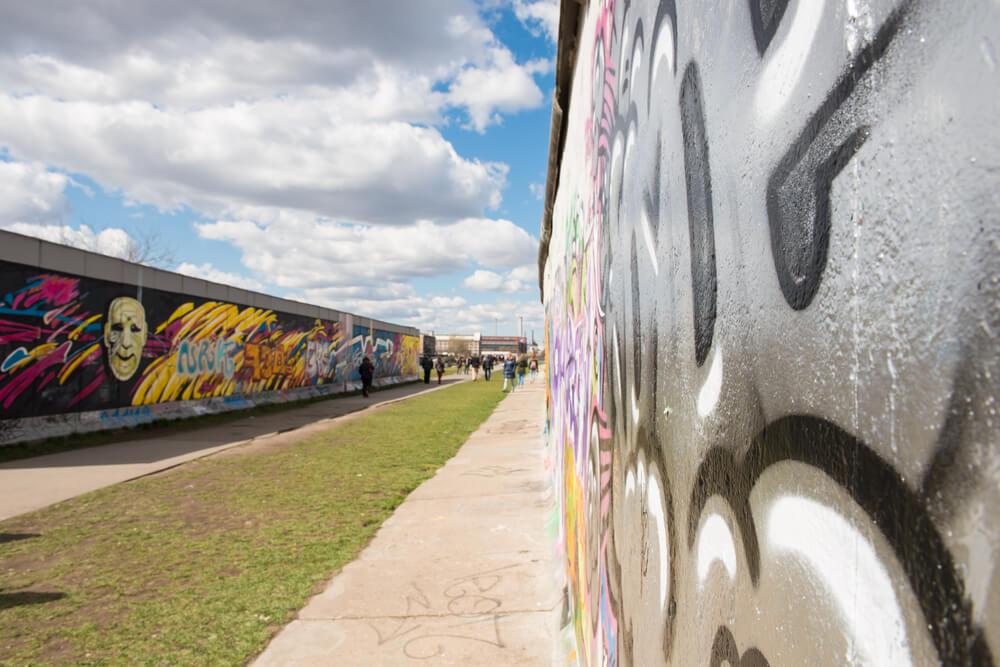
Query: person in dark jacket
428	366
488	367
439	367
367	372
509	368
475	363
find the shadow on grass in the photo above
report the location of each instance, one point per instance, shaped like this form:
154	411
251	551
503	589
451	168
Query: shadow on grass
174	428
11	600
14	537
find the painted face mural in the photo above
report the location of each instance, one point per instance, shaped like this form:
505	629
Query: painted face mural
125	336
772	293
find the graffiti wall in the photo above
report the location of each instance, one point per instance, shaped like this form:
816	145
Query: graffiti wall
393	354
772	292
72	345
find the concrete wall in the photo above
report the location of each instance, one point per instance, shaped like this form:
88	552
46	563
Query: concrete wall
90	342
771	275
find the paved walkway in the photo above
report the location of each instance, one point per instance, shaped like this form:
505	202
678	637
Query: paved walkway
463	573
30	484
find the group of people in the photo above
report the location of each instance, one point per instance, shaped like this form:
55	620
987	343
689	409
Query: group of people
428	366
467	365
514	370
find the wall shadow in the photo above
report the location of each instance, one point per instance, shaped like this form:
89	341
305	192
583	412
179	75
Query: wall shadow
11	600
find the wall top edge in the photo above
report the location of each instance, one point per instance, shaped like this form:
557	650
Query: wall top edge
570	25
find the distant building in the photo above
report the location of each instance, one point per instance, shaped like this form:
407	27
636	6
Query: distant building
457	345
498	345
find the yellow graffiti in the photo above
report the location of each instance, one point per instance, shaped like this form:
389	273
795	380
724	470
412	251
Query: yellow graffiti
77	331
410	353
221	349
180	312
574	524
211	320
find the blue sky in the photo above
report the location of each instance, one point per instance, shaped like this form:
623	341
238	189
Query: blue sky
382	158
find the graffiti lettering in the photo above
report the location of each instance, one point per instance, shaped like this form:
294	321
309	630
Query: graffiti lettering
206	357
266	361
319	357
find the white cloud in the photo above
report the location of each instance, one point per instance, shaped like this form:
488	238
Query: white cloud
112	241
302	253
527	273
196	54
29	193
439	313
255	160
447	302
501	316
502	86
537	190
208	272
519	280
484	280
539	15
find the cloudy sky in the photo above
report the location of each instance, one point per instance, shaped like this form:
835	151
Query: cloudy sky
380	157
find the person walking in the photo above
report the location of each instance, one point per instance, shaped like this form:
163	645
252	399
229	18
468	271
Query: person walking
475	361
439	367
533	368
427	365
367	372
522	369
488	367
509	368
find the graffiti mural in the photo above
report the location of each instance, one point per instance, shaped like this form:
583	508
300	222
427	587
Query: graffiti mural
70	344
772	292
393	354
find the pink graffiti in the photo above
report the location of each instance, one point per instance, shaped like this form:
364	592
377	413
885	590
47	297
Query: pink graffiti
49	289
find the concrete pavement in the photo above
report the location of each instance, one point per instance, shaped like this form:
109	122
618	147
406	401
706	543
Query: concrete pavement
31	484
463	573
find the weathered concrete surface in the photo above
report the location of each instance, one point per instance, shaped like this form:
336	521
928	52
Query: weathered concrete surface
463	573
31	484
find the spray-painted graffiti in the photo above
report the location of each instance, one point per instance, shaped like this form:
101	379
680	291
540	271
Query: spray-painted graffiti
206	357
70	344
772	295
391	353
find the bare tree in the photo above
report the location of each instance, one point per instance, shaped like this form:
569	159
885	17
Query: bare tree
141	247
459	347
150	249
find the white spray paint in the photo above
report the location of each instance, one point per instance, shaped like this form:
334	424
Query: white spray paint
845	562
715	544
708	397
654	504
663	49
784	67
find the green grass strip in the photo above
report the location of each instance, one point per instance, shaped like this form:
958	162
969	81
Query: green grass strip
204	564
